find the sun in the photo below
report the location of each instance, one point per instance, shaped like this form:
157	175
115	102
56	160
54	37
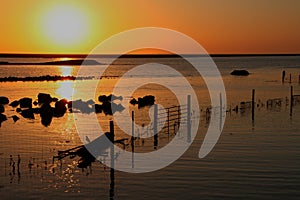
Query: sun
65	25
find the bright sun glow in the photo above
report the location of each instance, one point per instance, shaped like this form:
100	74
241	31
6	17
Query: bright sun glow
66	25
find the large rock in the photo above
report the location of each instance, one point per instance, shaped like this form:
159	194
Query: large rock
25	102
60	108
14	103
4	100
240	72
44	98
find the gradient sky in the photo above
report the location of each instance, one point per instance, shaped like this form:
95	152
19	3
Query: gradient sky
231	26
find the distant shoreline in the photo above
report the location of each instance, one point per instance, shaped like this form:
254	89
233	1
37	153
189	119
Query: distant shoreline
63	62
12	55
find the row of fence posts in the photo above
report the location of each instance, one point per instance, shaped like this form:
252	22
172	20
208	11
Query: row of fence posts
291	102
290	77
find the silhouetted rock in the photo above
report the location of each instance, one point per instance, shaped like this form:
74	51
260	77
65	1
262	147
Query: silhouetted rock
60	108
109	98
2	110
90	102
54	99
4	100
2	118
14	103
240	73
46	113
81	106
15	118
25	102
44	98
144	101
109	108
133	101
35	103
27	113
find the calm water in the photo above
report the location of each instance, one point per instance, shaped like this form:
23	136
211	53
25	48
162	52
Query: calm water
257	160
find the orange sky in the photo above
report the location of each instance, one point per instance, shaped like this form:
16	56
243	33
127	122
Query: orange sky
231	26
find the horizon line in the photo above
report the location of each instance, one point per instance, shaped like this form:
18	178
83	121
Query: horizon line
59	55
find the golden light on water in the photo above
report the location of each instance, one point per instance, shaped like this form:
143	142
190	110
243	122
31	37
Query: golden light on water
65	89
66	70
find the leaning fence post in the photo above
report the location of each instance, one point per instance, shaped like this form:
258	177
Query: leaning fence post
221	111
188	118
155	127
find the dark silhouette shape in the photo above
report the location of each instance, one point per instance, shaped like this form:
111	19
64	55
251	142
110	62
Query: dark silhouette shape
2	110
14	103
46	114
62	62
240	72
98	108
2	118
35	103
4	100
283	76
44	98
147	100
60	108
27	113
15	118
19	162
25	102
133	101
109	98
49	78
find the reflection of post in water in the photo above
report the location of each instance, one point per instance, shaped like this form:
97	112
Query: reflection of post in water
132	140
112	164
292	101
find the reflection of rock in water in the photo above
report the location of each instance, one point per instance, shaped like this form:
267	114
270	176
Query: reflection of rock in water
46	113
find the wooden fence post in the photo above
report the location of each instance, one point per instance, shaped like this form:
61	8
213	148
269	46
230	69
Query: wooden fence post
155	127
253	103
189	119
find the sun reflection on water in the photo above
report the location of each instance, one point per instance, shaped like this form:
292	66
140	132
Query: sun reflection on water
65	89
66	70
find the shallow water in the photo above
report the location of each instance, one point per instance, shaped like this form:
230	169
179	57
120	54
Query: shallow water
257	159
